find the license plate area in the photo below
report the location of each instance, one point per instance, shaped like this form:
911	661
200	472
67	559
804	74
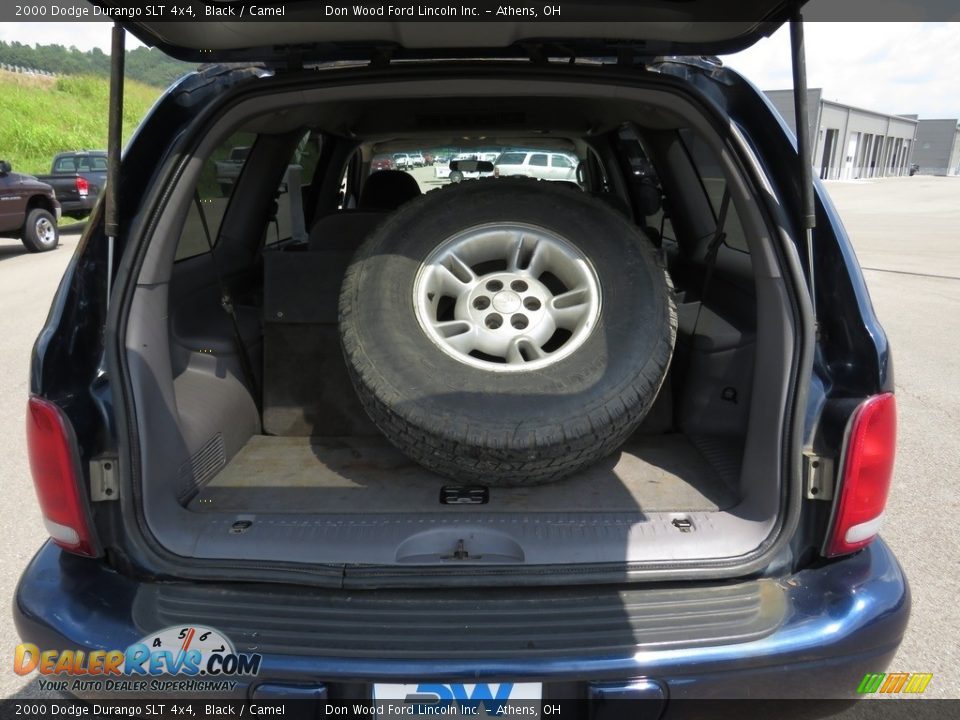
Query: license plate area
459	698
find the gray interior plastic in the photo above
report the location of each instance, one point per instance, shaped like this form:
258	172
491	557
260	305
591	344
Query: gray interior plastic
196	416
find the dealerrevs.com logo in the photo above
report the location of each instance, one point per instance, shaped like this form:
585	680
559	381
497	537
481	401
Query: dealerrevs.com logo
176	659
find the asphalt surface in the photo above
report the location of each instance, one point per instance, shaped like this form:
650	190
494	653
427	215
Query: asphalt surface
906	232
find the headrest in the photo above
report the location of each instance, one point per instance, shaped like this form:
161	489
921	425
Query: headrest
649	198
388	190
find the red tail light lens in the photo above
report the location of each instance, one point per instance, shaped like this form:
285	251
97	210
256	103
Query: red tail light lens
83	187
54	463
867	472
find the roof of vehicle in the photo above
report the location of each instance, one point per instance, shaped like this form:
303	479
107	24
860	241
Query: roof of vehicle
589	27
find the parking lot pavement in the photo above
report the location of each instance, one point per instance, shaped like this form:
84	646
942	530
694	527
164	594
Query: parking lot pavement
905	230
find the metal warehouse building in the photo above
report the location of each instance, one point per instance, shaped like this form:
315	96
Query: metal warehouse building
937	149
850	142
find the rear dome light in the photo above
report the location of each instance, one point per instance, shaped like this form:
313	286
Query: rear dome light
83	186
867	473
55	466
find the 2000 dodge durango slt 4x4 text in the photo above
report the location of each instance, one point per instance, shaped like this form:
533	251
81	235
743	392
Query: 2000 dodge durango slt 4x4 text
568	435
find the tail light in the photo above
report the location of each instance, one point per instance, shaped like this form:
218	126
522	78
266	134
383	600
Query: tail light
866	476
496	171
55	465
83	186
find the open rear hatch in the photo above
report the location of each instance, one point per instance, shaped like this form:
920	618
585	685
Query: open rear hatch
307	34
669	490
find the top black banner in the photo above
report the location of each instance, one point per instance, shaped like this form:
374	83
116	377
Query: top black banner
547	11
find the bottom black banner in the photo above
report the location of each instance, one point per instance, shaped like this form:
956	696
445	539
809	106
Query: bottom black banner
874	709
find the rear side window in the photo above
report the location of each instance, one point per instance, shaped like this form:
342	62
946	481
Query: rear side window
217	180
538	160
561	162
714	185
98	164
511	159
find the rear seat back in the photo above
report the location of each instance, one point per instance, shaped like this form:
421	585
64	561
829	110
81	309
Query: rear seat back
387	190
344	230
306	388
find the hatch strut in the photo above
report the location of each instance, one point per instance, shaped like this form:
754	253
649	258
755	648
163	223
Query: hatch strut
114	131
808	218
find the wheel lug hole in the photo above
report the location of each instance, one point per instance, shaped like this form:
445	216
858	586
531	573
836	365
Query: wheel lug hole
493	321
494	285
518	286
482	302
531	303
519	321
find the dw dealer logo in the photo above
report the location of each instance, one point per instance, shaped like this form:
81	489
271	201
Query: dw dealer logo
451	699
176	659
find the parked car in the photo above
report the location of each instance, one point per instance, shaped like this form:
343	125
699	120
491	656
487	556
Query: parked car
28	210
417	159
228	170
382	162
76	178
537	164
402	161
505	431
441	169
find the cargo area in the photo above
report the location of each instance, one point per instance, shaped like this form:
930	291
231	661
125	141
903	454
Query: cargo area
368	475
281	463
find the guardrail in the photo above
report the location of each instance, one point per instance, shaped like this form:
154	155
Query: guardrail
19	69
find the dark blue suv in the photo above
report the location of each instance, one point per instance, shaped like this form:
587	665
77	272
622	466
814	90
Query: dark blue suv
352	432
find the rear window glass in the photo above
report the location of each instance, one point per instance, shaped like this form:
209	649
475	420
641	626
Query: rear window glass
512	159
430	165
67	164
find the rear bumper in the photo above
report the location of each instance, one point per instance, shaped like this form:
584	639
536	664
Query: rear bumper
80	206
842	620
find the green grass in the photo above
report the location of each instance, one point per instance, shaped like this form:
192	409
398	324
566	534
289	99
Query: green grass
40	117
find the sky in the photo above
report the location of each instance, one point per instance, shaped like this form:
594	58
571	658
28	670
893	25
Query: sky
898	68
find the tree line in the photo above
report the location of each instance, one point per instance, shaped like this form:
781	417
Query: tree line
148	65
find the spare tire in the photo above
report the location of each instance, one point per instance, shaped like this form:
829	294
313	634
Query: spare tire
506	332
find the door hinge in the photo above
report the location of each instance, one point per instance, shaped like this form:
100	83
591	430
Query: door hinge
819	476
103	479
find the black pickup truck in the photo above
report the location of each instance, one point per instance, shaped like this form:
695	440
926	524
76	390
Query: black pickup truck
28	210
77	178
